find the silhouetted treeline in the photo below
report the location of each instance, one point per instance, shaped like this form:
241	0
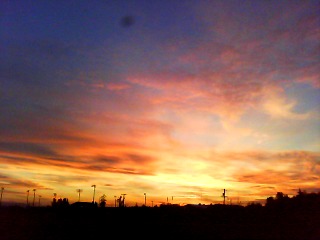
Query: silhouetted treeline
60	202
302	200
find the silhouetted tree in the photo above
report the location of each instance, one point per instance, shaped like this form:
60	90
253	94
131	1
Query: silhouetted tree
65	202
60	202
280	196
302	200
279	201
270	201
54	202
103	201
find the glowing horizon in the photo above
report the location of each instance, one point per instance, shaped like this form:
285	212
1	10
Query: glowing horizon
173	103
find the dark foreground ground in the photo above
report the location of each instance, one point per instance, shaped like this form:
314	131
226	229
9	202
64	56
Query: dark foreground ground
215	222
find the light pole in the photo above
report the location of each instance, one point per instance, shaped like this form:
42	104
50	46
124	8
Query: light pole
224	196
94	191
79	191
115	201
34	196
28	197
2	189
145	199
39	199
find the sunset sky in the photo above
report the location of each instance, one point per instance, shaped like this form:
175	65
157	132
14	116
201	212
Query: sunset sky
175	99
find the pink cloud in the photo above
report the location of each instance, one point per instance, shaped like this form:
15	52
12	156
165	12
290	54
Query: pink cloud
117	86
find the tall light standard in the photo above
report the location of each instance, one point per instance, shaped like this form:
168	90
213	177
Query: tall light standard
94	191
34	196
2	189
39	199
28	197
79	191
224	196
145	199
115	201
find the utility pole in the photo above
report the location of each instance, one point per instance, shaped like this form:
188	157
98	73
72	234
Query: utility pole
34	196
94	192
145	199
115	201
2	189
